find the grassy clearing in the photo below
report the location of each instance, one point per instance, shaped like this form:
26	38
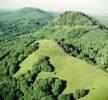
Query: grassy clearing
77	73
46	48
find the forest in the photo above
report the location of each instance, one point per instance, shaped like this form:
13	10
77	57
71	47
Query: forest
78	34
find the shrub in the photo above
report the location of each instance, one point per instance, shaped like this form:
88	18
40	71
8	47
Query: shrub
80	93
66	97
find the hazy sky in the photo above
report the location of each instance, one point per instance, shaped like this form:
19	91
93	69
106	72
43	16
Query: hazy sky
98	7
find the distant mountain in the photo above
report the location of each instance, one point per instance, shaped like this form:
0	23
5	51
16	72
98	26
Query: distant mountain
25	13
71	18
25	20
3	10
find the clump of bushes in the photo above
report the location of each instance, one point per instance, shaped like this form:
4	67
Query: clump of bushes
43	65
80	93
66	97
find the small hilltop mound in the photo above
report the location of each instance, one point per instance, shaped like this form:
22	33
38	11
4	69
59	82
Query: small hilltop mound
71	18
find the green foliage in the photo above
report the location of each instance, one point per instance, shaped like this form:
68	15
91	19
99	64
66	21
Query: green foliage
9	89
13	53
80	93
42	89
43	65
58	87
66	97
70	18
50	97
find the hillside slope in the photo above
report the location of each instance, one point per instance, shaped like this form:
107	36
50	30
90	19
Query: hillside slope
77	73
83	39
